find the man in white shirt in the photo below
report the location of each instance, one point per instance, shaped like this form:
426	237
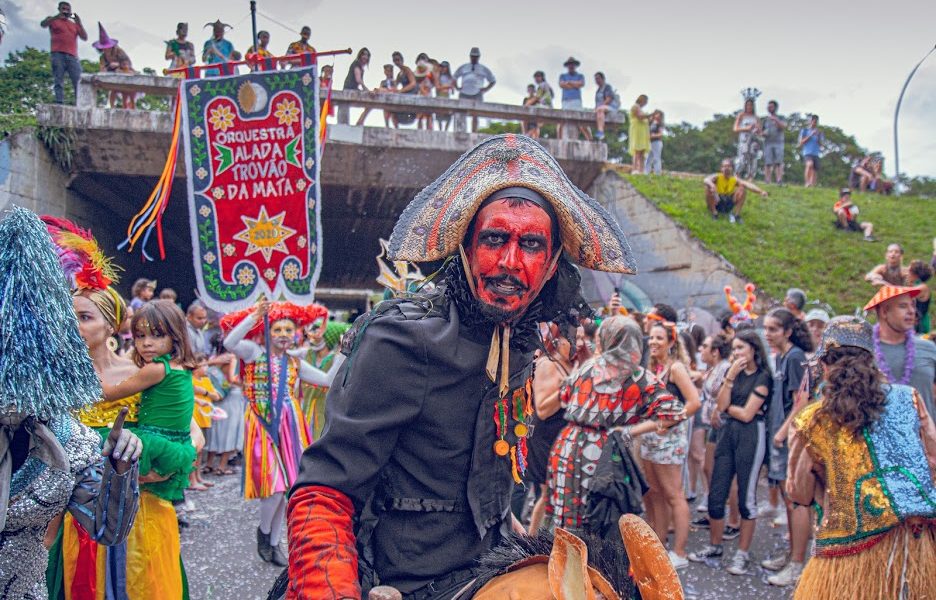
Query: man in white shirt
472	80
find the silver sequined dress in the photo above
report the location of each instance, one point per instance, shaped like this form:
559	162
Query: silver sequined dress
103	502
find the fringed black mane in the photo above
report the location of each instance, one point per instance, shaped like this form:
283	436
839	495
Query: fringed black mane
606	557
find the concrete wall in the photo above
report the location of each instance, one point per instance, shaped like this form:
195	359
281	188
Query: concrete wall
673	267
30	178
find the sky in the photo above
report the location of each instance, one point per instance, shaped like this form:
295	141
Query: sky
845	61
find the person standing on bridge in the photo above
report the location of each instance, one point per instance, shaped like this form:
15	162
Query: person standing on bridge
473	80
180	52
427	420
65	28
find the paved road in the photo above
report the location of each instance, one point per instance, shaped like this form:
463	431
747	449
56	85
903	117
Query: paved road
219	551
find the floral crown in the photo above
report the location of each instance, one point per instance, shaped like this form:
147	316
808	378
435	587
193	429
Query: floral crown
300	315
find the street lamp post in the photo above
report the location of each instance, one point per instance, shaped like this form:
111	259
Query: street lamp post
897	112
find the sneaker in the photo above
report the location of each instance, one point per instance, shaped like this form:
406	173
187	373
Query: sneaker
709	551
731	532
788	576
737	219
869	238
776	563
781	519
740	563
732	218
701	523
599	135
715	216
702	506
679	562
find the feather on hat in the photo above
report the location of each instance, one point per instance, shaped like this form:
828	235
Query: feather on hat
436	221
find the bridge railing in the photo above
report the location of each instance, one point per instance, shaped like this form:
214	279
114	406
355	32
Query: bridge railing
460	110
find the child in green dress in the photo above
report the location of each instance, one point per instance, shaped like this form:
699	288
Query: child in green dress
165	358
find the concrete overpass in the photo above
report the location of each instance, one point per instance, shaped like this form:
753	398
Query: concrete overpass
368	175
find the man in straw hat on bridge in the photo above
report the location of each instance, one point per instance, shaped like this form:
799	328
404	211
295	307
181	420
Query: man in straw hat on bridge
425	435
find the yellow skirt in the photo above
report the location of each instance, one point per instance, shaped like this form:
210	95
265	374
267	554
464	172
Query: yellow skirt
901	565
153	564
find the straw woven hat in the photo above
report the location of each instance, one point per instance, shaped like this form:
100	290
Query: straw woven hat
435	222
886	292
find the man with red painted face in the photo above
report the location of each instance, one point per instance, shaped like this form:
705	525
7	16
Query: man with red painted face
425	433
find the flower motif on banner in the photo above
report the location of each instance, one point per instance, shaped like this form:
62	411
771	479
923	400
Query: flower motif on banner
218	193
287	112
301	242
308	123
270	274
245	276
229	249
222	118
204	211
201	173
194	90
306	79
265	234
309	163
300	184
291	272
209	258
197	131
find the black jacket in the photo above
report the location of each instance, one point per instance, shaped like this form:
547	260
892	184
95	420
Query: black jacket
409	437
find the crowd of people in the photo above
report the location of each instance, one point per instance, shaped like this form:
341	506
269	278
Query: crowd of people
432	78
739	388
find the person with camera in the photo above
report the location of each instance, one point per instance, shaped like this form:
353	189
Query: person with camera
64	29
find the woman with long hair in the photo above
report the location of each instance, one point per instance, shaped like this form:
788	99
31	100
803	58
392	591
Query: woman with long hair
664	454
609	394
714	352
638	134
740	449
864	455
790	339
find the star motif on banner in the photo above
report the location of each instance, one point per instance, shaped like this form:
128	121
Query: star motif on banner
265	234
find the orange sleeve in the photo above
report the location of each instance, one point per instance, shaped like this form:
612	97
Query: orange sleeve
323	562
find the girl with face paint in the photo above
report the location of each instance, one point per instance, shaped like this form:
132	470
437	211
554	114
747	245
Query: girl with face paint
275	428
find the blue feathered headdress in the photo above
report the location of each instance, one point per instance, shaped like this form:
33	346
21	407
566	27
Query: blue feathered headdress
45	368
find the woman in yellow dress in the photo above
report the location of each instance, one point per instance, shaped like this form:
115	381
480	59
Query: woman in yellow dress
638	134
78	568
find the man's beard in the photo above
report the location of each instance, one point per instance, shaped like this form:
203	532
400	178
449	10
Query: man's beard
498	315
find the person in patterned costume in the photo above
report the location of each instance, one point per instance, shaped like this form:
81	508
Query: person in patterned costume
49	461
864	455
425	433
275	430
609	395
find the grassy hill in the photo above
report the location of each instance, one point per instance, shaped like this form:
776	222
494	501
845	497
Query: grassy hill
788	239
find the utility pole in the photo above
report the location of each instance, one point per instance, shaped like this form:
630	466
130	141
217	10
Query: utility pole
897	112
253	22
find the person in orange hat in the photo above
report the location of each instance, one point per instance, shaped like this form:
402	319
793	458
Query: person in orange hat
903	357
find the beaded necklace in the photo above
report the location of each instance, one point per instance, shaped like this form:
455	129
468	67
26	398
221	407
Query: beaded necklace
910	352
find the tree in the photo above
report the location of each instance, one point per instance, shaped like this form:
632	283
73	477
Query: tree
26	81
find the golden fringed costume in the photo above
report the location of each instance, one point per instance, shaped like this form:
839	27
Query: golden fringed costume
875	498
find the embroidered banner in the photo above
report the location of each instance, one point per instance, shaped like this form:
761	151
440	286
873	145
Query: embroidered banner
252	161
